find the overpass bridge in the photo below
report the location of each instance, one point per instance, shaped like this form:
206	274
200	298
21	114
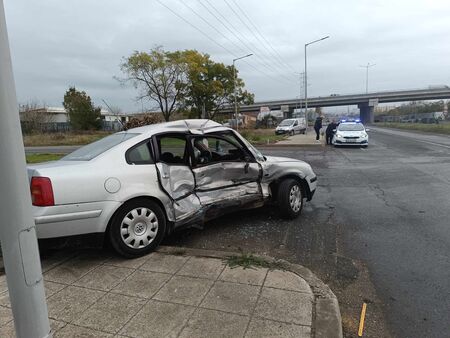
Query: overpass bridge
365	102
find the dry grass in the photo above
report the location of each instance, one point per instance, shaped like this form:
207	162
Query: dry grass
38	158
261	136
442	128
63	139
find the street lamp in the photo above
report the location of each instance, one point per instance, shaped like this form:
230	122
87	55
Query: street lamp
306	80
367	75
234	88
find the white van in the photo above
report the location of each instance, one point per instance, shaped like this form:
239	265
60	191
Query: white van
291	126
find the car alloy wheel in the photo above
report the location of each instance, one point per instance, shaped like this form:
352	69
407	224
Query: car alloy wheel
295	198
139	228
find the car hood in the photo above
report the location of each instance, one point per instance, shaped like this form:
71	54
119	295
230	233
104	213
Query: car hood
350	133
279	159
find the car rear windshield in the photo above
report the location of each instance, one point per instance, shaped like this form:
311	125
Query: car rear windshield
286	123
351	127
92	150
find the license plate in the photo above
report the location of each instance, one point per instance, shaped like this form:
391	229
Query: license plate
350	141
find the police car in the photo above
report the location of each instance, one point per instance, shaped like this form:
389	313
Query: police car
351	133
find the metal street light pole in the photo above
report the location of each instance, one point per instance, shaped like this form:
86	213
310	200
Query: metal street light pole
17	230
234	88
306	80
367	75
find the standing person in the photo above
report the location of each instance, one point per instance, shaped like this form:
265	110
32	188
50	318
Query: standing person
318	126
329	132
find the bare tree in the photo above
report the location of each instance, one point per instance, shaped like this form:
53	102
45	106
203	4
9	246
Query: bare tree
34	116
159	75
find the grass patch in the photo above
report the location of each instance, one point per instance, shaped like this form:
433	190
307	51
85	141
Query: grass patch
442	128
63	139
37	158
248	261
261	136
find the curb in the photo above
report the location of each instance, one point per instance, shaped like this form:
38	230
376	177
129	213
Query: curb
298	145
327	315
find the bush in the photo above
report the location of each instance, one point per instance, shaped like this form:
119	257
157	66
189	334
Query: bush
144	121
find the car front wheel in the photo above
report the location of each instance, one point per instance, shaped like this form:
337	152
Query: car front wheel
290	198
137	228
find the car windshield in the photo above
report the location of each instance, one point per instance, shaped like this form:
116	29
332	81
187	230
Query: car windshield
286	123
94	149
351	127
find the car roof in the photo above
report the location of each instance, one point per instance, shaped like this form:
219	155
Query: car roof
194	126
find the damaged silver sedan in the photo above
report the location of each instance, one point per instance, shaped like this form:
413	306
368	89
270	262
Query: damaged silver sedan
137	186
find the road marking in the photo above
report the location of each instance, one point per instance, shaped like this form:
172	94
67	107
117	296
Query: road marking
415	139
361	320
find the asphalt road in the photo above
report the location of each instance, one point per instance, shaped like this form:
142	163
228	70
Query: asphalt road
387	206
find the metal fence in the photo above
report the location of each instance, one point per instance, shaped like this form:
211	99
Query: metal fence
63	127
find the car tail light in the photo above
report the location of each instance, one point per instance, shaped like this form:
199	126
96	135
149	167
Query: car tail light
42	192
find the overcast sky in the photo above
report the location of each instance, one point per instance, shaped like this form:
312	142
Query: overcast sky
56	44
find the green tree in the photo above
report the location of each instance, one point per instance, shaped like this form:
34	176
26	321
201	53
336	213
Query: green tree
82	113
210	86
159	76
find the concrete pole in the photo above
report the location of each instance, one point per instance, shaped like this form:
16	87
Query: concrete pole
234	94
306	93
17	229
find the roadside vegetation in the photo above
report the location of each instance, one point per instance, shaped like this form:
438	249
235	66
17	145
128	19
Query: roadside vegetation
248	261
63	139
261	136
38	158
442	128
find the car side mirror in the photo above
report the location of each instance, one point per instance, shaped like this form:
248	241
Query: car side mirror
367	129
334	130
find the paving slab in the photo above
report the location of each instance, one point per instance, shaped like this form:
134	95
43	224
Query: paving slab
103	277
184	290
158	262
285	306
158	319
110	313
73	331
68	304
251	276
286	280
143	284
206	323
264	328
202	267
232	297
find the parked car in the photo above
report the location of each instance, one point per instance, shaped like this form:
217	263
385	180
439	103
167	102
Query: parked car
291	127
351	134
137	186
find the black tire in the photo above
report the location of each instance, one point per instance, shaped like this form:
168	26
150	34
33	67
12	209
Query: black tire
285	189
303	131
141	231
291	133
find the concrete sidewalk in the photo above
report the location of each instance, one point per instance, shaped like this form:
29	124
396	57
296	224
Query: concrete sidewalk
179	293
302	140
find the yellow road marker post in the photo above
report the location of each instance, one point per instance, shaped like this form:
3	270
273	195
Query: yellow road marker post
361	320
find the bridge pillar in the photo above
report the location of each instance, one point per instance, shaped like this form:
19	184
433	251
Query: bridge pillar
366	113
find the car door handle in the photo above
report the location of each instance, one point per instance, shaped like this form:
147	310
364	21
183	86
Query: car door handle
246	168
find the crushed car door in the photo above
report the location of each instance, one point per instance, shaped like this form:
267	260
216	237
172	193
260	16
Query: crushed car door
225	172
175	174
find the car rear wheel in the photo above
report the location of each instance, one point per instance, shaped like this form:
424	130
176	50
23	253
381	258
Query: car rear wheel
137	228
290	198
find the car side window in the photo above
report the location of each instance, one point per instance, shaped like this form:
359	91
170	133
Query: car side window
139	154
295	123
172	149
211	149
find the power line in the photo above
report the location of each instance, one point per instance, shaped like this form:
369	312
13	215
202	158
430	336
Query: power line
213	40
245	24
261	60
262	36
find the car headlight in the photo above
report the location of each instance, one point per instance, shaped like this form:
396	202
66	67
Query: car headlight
363	135
339	135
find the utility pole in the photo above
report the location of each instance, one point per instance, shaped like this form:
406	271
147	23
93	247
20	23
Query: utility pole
367	75
17	228
306	80
234	89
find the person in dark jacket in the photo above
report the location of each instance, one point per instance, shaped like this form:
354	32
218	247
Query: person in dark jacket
317	126
329	132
